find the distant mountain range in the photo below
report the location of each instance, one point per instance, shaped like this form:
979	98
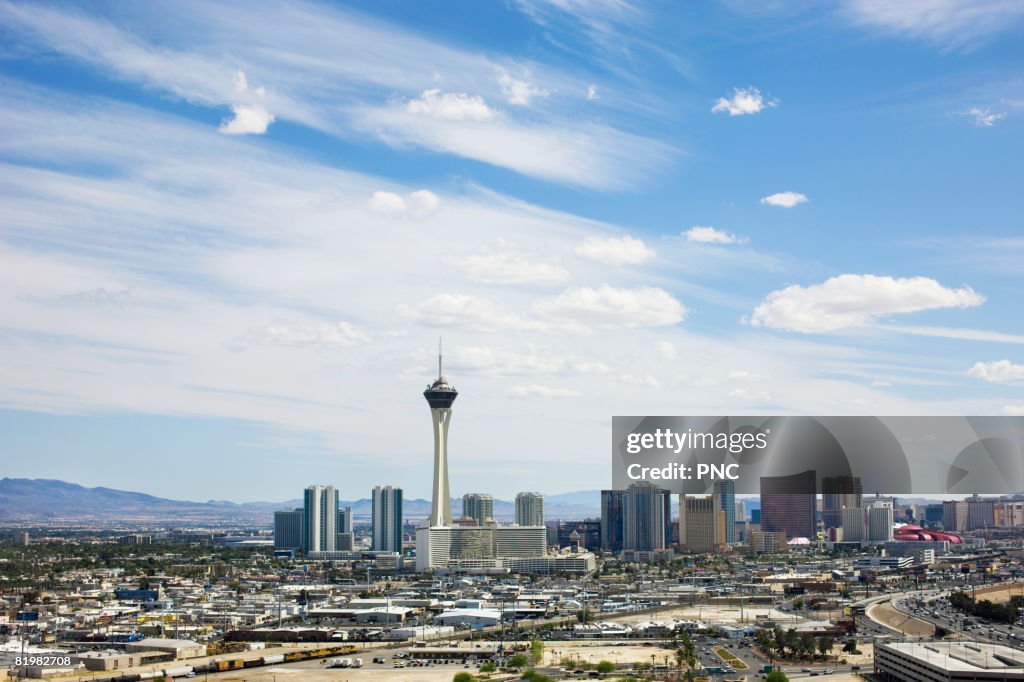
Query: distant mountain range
51	502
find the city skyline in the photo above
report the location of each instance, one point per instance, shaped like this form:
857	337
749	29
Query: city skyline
229	238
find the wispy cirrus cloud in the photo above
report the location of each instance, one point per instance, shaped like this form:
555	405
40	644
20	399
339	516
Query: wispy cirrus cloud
984	117
346	75
947	22
709	235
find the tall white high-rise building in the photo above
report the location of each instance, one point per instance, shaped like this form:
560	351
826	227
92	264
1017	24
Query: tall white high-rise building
880	522
440	397
320	518
478	506
387	519
853	524
530	509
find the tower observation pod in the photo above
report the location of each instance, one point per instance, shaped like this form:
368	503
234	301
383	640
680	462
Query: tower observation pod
440	397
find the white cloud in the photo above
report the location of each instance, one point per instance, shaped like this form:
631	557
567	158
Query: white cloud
950	22
709	235
387	203
465	312
850	301
540	391
616	251
592	93
420	204
502	267
450	106
519	92
747	394
645	380
423	202
744	101
581	153
744	375
998	372
957	333
330	69
339	335
983	117
784	199
667	350
1014	410
491	361
248	119
611	306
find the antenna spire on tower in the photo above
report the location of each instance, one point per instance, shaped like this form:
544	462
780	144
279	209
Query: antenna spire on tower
440	372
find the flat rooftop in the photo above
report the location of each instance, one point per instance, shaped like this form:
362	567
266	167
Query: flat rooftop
963	656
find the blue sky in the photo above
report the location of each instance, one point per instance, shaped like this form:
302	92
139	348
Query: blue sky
230	235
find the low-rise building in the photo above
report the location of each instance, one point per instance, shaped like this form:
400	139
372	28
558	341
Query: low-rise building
947	662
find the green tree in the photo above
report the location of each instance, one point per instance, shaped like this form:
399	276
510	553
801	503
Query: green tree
776	676
686	654
806	644
792	640
825	644
536	651
462	677
488	667
850	646
605	667
765	641
518	661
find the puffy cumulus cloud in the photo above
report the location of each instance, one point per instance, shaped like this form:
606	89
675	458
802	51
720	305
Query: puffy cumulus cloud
1014	410
667	349
338	335
709	235
592	93
250	116
855	301
248	119
540	391
784	199
983	117
450	106
999	371
744	101
418	204
492	361
519	92
611	306
502	267
616	250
